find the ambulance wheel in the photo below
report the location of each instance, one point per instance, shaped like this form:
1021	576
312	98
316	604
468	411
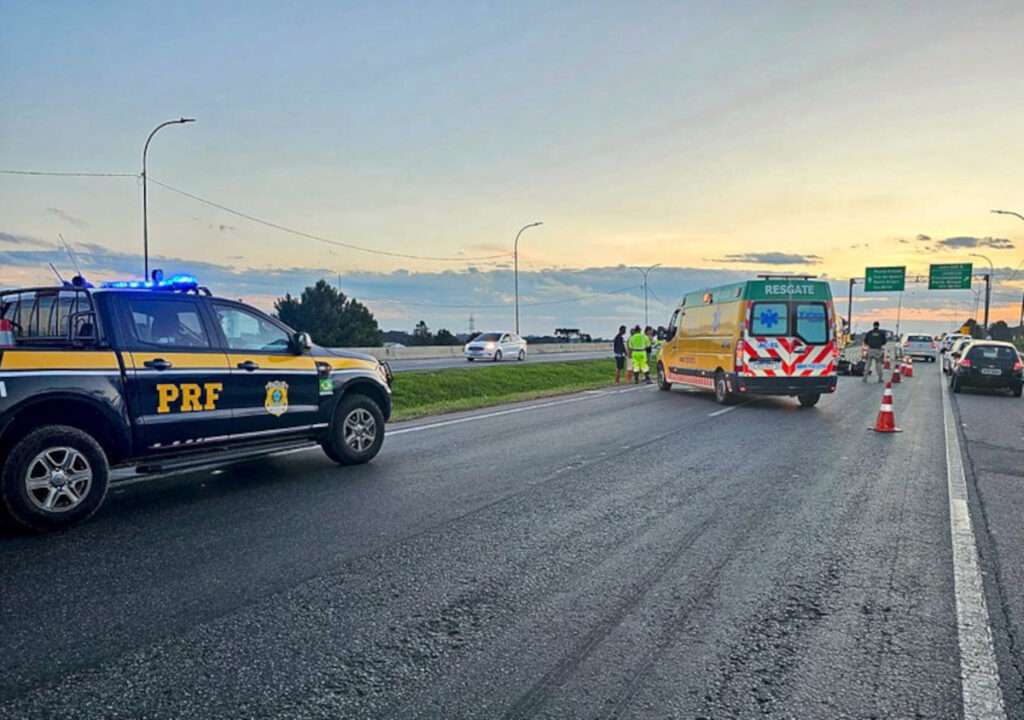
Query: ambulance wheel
722	394
55	477
356	432
809	399
663	383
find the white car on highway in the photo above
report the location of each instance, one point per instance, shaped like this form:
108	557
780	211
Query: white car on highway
921	346
955	351
495	346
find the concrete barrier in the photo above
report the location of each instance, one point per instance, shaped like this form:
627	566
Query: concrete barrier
433	352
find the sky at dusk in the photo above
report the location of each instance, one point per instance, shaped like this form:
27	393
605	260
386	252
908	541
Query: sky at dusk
719	139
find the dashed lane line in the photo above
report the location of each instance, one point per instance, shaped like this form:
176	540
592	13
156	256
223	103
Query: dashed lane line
979	673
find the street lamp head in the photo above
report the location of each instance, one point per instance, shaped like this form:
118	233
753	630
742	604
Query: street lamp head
187	120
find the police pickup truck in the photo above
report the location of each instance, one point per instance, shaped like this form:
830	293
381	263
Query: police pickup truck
158	372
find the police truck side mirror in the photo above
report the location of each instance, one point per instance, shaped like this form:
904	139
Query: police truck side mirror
301	342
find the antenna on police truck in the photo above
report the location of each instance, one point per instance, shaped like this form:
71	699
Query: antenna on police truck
70	254
62	280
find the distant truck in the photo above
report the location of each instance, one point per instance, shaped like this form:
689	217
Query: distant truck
771	336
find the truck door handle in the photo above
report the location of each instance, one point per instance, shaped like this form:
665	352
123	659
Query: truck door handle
248	365
157	364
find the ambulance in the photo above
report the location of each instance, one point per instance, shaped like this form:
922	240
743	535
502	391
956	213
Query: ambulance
772	336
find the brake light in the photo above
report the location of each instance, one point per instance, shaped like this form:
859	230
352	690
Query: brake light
738	358
934	345
1018	366
966	362
906	343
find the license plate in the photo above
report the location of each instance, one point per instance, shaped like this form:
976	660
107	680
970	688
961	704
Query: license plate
991	371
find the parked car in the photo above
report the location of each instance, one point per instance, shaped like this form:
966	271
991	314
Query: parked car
921	347
950	357
495	346
950	340
989	364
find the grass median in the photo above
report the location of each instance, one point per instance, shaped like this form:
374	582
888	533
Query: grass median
431	392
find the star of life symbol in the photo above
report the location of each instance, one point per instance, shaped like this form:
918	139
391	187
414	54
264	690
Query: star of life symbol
769	318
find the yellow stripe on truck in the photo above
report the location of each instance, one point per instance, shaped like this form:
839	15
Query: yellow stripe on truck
17	359
274	362
180	360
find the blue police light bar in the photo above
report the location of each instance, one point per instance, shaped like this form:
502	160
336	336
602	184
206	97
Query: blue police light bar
178	282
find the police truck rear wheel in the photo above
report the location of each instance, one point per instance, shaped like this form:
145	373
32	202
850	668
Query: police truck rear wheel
809	399
356	432
55	477
663	383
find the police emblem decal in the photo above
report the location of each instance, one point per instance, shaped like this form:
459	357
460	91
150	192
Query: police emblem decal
277	398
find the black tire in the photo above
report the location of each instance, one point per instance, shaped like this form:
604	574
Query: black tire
808	399
352	439
497	356
663	383
722	394
521	356
1018	391
42	503
469	359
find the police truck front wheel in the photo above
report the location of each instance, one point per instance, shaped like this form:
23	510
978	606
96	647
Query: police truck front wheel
808	399
356	432
54	477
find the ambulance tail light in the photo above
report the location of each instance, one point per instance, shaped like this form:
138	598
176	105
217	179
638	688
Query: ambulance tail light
738	357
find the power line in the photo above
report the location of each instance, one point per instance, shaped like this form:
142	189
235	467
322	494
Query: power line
68	174
503	305
327	241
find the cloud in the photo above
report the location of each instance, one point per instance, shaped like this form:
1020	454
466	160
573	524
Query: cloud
13	239
964	241
923	238
68	218
770	258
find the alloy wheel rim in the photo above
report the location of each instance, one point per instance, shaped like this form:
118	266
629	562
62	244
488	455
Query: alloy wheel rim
58	479
360	429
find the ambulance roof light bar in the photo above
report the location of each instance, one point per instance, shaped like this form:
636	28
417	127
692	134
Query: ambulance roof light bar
787	277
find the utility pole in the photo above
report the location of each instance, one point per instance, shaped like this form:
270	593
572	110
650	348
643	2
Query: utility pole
472	326
1021	324
988	285
145	203
849	307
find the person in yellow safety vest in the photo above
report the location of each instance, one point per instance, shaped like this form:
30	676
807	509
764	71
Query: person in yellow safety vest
638	344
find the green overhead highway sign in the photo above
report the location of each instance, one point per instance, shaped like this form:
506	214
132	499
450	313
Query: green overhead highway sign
885	279
951	276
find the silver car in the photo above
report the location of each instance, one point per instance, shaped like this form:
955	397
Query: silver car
495	346
950	358
921	346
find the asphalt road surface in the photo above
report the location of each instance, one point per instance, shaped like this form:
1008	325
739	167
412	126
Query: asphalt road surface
615	554
442	363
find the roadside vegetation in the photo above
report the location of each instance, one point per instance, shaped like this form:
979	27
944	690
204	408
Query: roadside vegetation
429	392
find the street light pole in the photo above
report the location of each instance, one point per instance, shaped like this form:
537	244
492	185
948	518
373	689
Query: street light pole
145	204
988	286
644	271
515	257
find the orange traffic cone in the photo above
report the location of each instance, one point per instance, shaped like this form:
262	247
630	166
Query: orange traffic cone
6	333
896	374
886	422
887	366
908	368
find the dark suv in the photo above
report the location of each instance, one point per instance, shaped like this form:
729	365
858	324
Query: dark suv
153	373
988	364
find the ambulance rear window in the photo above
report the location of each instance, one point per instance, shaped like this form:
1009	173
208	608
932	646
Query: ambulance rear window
811	324
769	318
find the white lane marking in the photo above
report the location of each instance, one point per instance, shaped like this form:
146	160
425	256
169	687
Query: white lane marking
723	411
979	673
3	389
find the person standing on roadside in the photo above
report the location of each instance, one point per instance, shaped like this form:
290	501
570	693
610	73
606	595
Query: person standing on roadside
619	348
638	345
874	344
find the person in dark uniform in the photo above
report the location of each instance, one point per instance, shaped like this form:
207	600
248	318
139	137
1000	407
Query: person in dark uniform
619	348
874	344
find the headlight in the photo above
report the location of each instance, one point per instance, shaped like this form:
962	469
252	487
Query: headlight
490	346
